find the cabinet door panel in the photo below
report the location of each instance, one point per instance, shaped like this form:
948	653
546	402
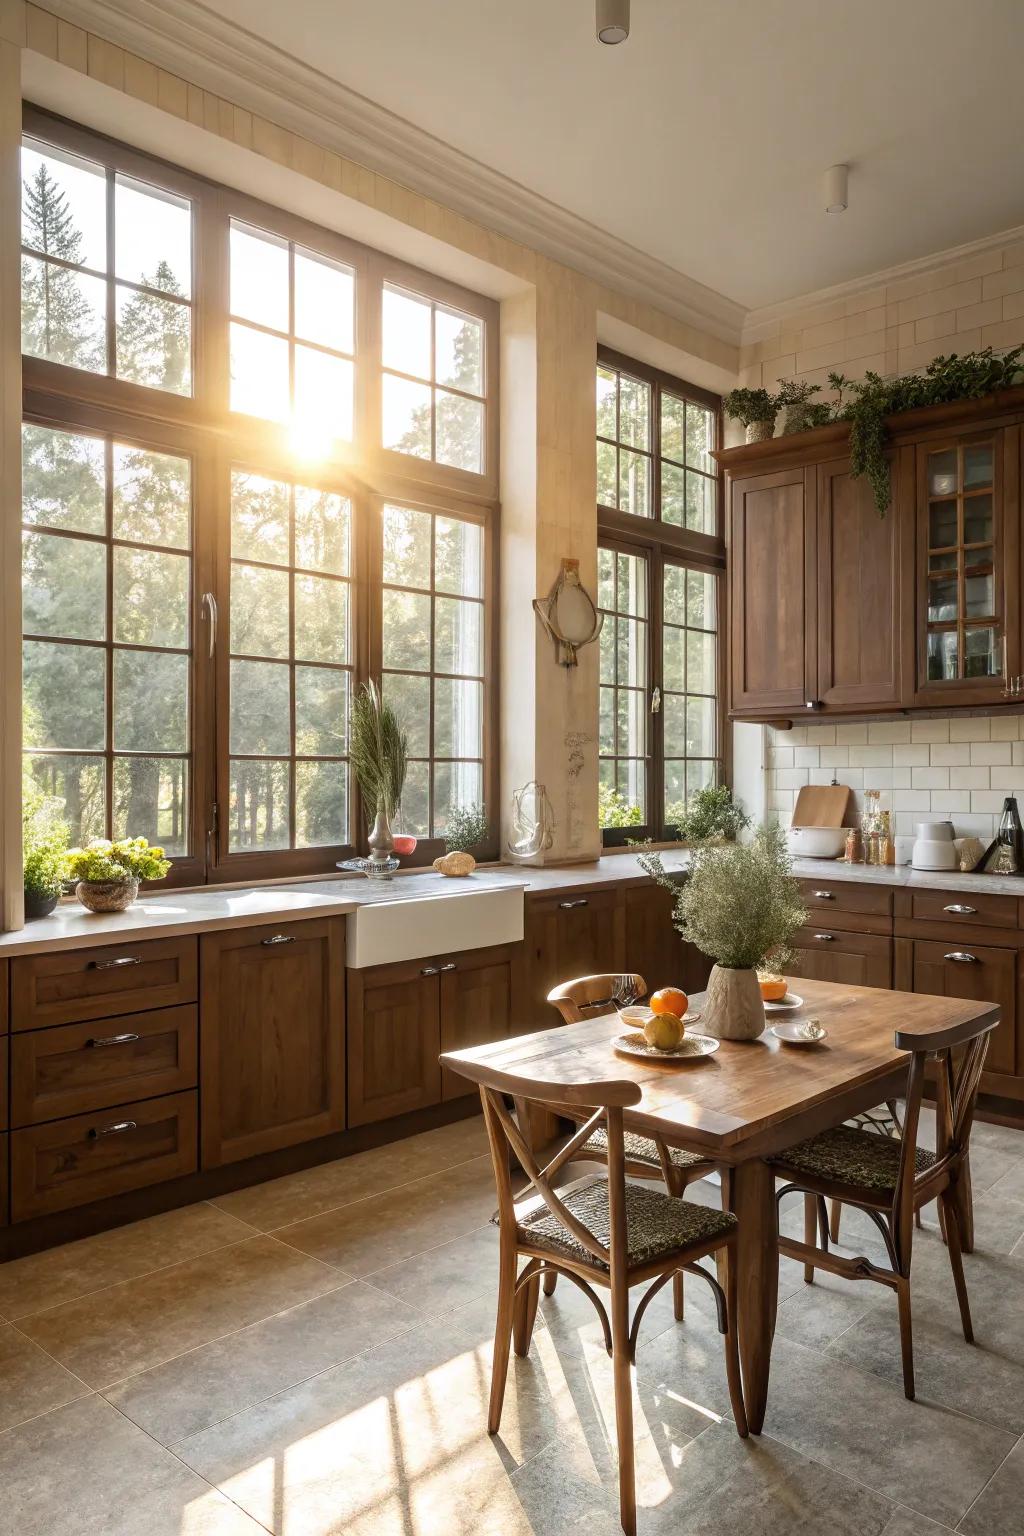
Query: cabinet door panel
988	975
858	594
850	959
476	1008
273	1038
567	936
773	592
655	948
394	1040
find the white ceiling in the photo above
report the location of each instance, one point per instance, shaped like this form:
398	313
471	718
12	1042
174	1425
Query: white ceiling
703	138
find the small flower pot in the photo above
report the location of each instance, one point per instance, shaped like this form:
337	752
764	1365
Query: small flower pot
760	431
107	895
733	1006
37	904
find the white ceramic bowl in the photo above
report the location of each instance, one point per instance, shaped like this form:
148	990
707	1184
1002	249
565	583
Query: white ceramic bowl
816	842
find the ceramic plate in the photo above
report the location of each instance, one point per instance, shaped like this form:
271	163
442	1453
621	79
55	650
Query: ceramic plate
790	1032
785	1004
690	1048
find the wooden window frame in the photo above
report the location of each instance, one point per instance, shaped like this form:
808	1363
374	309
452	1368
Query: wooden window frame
203	426
663	543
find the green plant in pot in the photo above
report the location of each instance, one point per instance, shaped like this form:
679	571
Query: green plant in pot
44	839
108	873
378	750
796	398
741	905
756	409
709	813
467	828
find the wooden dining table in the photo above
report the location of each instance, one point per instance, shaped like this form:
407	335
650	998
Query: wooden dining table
745	1103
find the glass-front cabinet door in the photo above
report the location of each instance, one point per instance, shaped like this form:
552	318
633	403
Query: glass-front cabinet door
967	633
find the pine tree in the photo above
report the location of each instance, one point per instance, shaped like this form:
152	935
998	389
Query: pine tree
153	337
57	320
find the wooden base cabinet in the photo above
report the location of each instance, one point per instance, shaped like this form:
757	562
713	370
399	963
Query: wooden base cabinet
654	948
272	1056
850	959
977	973
566	936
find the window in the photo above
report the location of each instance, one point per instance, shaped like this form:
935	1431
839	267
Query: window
963	628
303	498
433	383
659	568
107	578
106	271
292	336
433	653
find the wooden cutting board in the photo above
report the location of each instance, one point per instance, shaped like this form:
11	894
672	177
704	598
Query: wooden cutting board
822	805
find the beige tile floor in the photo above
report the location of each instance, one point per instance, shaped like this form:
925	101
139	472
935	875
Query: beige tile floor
312	1356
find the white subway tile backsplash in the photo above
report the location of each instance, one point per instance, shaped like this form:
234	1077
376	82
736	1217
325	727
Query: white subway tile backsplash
970	729
883	733
821	735
834	757
851	735
1018	751
1006	728
871	757
791	778
986	800
911	800
1009	781
808	757
854	777
782	757
912	757
948	754
929	778
929	730
969	778
992	752
947	803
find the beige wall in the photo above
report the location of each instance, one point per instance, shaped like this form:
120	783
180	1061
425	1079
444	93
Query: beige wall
897	326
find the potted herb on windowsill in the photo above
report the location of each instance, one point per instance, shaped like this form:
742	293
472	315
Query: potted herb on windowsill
709	814
44	835
108	873
467	828
740	905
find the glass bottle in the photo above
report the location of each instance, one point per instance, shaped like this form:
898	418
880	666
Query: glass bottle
1008	853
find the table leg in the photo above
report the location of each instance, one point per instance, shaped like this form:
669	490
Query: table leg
750	1195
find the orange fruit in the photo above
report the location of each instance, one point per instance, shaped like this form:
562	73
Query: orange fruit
773	987
669	1000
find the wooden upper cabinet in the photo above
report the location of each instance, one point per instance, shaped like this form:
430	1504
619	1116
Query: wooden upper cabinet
858	600
272	1025
773	592
967	567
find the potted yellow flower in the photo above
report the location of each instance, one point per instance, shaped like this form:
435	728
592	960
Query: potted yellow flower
108	873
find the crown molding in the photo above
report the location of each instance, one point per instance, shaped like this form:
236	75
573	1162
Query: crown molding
190	40
762	324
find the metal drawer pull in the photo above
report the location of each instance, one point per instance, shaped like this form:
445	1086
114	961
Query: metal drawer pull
960	909
962	957
429	970
825	895
115	965
567	906
449	966
112	1040
826	938
117	1129
279	938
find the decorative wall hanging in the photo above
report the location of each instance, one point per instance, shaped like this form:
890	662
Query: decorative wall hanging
569	614
533	822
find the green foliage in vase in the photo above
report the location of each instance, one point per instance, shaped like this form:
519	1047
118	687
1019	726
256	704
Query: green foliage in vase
710	812
44	838
750	405
466	828
796	398
614	810
866	403
740	903
378	751
129	858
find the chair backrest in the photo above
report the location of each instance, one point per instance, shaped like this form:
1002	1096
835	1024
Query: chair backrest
505	1135
960	1058
587	997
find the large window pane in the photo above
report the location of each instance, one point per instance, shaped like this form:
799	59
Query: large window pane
323	531
150	701
324	302
63	476
407	536
63	587
460	432
458	636
429	352
625	687
259	611
260	705
259	277
63	206
259	519
407	416
409	695
259	806
321	804
259	373
321	712
153	237
321	619
152	497
81	783
151	591
406	633
406	333
458	557
64	696
151	800
323	393
154	341
459	351
458	718
63	315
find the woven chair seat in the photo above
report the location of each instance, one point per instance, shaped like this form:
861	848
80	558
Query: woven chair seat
640	1149
657	1224
862	1159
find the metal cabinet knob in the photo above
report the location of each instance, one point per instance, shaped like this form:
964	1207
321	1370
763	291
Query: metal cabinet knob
824	938
117	1129
429	970
279	938
567	906
960	909
824	896
962	957
449	965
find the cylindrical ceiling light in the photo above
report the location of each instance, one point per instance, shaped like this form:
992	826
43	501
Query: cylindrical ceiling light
836	182
612	21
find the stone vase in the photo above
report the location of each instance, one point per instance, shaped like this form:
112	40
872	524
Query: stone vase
107	895
380	841
760	431
733	1008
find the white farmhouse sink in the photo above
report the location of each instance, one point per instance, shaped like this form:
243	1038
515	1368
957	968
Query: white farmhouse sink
399	927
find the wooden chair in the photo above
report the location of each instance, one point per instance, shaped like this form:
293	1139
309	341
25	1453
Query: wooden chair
891	1179
887	1121
596	1231
647	1157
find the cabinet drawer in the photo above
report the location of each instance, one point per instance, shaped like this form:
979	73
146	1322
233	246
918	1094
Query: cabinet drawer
92	1157
77	1068
979	909
978	973
836	896
78	984
847	958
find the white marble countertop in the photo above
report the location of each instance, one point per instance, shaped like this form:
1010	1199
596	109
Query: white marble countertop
158	915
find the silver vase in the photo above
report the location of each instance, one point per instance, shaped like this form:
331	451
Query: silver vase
380	841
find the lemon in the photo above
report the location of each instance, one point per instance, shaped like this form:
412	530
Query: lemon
664	1031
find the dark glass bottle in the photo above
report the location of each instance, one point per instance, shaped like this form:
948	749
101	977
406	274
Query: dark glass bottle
1006	856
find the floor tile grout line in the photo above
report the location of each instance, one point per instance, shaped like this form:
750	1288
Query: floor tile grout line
995	1473
363	1199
